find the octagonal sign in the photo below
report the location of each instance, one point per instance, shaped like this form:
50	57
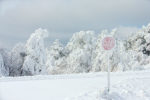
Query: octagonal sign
108	43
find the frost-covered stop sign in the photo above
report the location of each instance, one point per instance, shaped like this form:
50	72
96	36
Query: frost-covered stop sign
108	43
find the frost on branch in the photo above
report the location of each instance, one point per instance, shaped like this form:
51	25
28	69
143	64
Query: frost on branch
35	60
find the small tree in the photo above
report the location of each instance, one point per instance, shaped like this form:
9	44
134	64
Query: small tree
56	58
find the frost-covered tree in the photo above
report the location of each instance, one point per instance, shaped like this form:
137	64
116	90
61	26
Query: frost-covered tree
17	56
6	59
139	44
120	59
80	48
98	52
35	60
83	53
56	58
3	71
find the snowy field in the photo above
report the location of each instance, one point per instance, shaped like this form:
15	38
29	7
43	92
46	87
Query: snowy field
124	86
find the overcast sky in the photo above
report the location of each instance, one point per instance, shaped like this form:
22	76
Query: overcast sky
19	18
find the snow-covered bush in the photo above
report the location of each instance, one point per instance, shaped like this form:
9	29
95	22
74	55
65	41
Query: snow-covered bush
35	60
56	58
78	61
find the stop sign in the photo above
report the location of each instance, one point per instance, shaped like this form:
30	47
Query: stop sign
108	43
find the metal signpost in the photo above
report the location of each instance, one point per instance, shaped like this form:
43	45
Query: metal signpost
108	43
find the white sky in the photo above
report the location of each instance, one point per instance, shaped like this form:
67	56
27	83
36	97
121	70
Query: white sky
19	18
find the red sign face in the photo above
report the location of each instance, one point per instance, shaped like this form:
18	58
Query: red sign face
108	43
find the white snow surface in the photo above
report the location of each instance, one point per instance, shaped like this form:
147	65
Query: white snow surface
131	85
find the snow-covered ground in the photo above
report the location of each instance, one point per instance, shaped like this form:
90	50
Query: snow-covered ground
124	86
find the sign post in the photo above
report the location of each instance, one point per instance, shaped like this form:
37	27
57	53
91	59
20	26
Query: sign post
108	44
